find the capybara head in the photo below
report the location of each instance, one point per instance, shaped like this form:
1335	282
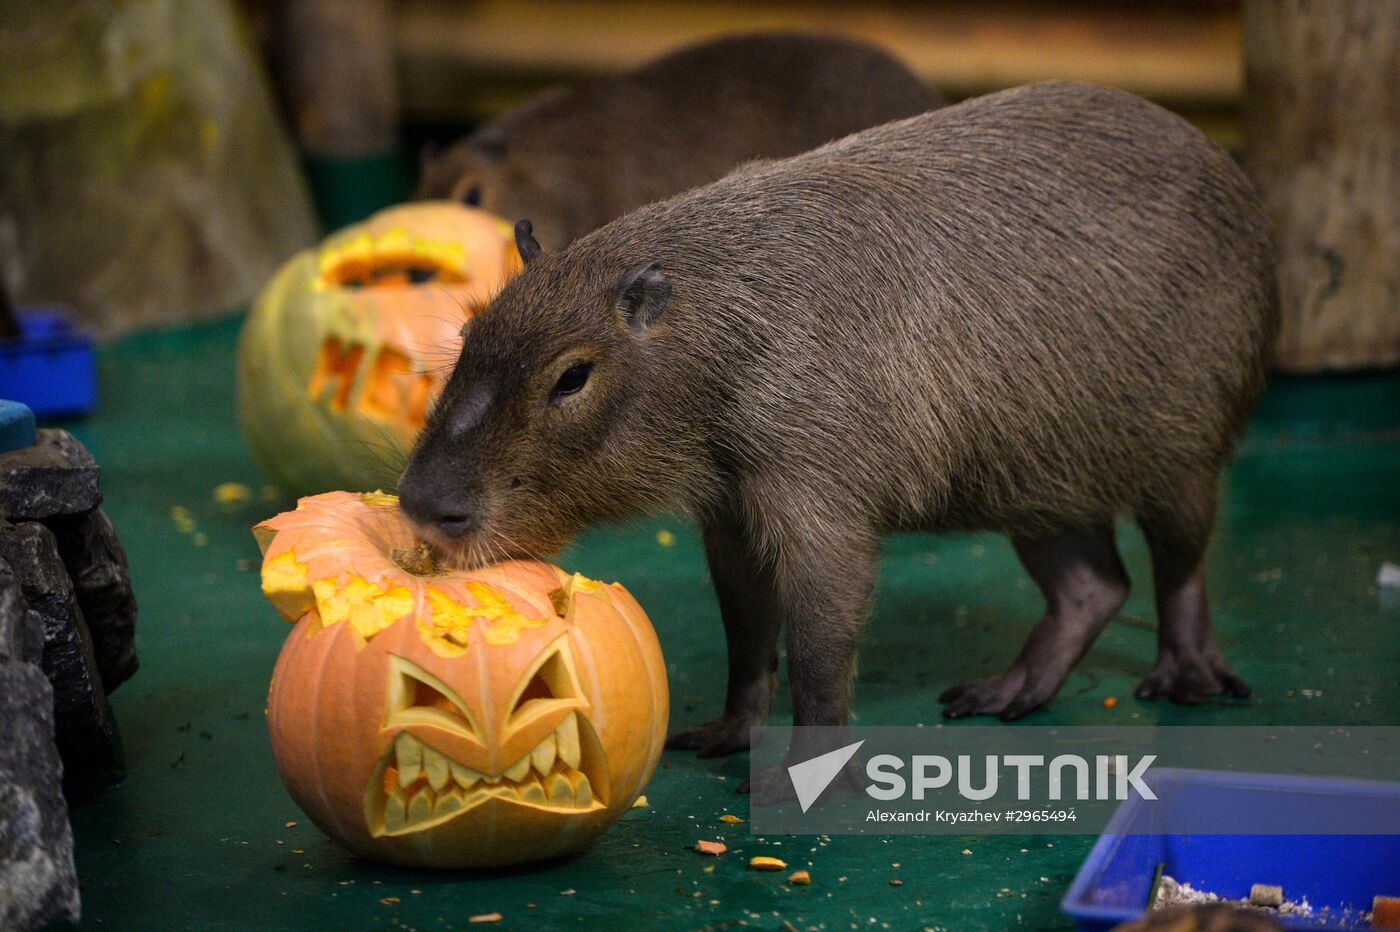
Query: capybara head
468	171
511	178
529	442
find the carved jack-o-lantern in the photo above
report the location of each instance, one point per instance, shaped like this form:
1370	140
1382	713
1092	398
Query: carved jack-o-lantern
452	718
349	343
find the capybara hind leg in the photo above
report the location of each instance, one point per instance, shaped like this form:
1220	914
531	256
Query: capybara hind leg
1190	666
1084	585
744	585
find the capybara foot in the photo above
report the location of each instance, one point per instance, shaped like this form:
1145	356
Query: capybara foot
1010	695
774	785
724	735
769	787
1191	679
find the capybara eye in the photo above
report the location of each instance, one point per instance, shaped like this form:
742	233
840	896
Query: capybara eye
573	379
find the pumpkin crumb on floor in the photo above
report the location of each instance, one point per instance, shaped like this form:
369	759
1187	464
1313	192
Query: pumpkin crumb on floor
486	917
764	863
232	494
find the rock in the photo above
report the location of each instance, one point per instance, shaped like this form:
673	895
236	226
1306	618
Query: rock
56	476
21	628
83	724
97	566
38	882
67	446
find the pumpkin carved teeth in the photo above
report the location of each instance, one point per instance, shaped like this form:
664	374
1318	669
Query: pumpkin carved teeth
418	786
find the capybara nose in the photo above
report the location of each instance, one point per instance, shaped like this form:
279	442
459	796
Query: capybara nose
449	515
457	523
450	519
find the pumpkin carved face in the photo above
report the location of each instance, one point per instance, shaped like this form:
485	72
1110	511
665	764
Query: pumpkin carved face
452	718
344	351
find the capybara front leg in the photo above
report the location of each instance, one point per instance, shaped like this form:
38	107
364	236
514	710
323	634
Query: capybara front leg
824	592
747	605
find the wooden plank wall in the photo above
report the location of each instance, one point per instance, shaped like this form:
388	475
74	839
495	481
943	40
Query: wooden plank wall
464	59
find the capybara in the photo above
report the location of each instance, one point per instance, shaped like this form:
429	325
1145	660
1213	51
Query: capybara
574	158
1030	312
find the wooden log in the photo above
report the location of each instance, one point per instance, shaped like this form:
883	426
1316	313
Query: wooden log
335	69
1322	142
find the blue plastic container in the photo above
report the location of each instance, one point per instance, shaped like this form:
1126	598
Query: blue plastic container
49	366
1335	872
17	429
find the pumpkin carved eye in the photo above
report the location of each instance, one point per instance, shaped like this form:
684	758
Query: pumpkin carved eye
571	382
551	685
416	697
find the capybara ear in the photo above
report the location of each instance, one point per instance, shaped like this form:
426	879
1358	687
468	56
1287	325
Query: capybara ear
642	294
489	144
525	242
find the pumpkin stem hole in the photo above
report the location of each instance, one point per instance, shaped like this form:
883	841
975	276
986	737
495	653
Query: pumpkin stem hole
417	560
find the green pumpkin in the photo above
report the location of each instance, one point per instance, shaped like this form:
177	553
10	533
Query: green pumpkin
351	341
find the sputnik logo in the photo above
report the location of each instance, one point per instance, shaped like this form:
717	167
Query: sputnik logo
811	777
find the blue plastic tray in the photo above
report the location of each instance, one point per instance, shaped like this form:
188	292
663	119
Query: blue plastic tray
1339	872
49	366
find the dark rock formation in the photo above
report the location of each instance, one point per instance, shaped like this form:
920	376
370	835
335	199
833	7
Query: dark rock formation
57	476
83	720
21	628
67	638
97	565
38	882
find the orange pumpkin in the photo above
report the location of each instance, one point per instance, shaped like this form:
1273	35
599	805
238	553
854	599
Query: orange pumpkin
449	718
350	342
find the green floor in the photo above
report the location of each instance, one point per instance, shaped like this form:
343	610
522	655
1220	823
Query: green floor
198	836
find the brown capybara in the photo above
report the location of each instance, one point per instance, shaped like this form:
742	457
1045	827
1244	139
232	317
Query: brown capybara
1029	312
574	158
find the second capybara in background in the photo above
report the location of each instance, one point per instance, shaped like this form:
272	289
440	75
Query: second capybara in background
574	158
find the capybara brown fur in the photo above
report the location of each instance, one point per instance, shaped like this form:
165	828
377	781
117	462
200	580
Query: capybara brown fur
573	158
1031	312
